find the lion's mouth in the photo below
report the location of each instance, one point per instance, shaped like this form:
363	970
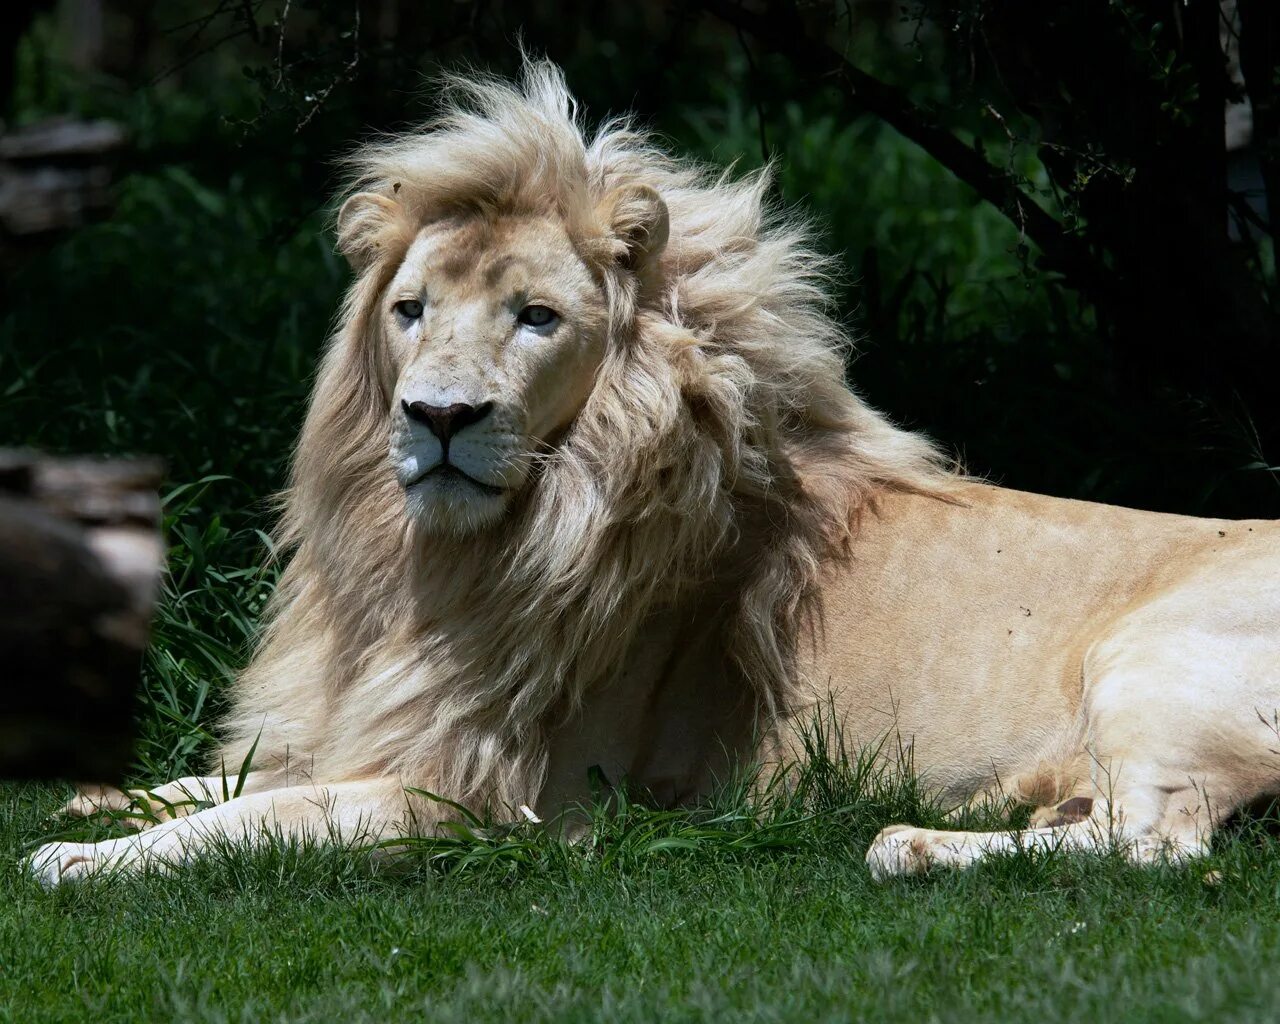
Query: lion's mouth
447	472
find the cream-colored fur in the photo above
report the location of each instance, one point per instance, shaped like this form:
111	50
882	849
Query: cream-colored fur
668	530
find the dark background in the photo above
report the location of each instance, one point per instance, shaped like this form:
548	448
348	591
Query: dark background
1054	219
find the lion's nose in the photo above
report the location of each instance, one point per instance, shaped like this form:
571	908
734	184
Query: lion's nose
445	420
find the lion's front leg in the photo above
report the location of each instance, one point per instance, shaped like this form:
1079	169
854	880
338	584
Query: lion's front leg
140	808
341	813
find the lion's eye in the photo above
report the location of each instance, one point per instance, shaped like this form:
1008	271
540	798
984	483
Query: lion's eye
538	316
410	309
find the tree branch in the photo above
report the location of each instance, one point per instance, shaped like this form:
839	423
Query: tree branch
781	30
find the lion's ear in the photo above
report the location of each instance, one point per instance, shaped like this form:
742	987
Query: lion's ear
637	218
362	225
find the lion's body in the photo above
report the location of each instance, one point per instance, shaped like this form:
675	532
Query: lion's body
1049	650
1012	639
1018	646
582	484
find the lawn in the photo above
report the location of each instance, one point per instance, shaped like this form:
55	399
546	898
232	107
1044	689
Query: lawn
686	917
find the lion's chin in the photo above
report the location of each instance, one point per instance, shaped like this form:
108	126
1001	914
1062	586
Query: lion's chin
453	504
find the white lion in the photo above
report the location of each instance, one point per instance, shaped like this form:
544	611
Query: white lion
581	483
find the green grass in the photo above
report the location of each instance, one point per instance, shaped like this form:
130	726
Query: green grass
726	913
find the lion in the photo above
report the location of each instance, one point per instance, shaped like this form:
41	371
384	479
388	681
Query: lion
581	483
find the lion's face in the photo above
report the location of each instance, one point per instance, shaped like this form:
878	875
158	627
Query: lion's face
495	329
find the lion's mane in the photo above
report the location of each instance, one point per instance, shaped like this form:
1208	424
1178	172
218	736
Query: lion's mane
720	443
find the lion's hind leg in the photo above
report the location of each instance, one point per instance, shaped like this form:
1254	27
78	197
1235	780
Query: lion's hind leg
1141	806
1178	830
1059	793
906	850
1156	796
1180	705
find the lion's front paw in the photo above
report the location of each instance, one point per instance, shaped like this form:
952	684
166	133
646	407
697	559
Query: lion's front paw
106	804
55	863
134	809
899	850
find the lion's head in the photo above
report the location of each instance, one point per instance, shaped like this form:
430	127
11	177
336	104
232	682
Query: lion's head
564	349
492	326
493	263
